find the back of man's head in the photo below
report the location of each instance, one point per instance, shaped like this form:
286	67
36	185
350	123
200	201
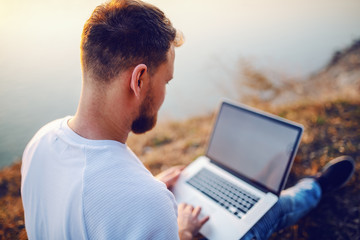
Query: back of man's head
123	33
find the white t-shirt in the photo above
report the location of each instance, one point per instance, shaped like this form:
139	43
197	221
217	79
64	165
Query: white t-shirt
76	188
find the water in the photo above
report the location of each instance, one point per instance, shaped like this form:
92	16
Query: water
40	76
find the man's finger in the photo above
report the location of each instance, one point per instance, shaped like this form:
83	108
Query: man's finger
204	220
172	170
181	206
190	207
171	178
196	211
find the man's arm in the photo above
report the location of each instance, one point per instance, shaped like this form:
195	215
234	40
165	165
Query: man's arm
188	216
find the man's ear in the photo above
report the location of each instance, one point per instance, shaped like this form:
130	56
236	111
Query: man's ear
137	79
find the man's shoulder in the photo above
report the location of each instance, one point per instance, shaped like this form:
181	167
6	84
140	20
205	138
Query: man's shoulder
45	132
54	124
49	128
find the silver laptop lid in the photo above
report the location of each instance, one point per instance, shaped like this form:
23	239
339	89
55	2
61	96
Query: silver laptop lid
256	146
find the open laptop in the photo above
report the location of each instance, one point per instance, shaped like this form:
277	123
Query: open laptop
247	162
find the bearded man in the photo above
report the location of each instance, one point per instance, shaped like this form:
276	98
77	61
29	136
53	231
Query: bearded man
79	178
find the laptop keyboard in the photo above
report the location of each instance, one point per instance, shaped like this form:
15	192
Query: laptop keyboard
233	198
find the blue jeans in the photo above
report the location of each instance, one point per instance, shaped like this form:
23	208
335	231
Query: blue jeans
293	204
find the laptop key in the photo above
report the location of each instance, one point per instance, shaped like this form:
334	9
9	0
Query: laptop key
232	209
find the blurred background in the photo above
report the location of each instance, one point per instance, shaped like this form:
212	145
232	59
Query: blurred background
40	76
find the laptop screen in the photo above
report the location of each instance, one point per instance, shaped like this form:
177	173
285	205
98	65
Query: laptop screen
254	145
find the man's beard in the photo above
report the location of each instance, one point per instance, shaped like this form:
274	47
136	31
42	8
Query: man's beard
145	121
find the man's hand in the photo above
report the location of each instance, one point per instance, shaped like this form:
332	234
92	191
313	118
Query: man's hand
189	224
170	176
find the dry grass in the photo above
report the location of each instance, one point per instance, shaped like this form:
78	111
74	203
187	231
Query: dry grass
332	129
11	210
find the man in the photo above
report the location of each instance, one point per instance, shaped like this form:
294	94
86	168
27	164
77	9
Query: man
81	181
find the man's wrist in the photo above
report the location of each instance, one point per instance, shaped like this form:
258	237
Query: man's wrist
185	235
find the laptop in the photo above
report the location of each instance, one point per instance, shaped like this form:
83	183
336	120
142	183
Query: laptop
246	165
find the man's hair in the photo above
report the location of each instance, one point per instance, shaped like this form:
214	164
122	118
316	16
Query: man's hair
123	33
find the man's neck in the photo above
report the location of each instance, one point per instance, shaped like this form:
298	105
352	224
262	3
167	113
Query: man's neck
99	121
89	129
